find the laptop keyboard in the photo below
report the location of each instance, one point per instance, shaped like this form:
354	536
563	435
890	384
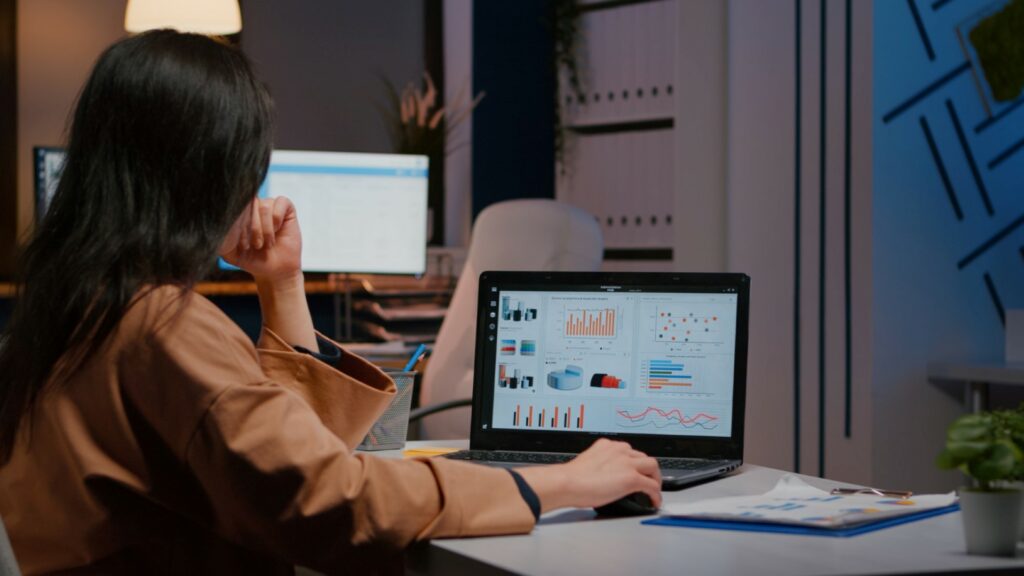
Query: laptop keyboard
548	458
688	463
510	457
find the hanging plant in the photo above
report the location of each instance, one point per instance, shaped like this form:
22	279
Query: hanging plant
565	29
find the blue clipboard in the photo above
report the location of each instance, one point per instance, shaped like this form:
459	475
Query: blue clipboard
799	530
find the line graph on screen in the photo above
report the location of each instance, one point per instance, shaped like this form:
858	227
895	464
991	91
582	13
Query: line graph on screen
654	417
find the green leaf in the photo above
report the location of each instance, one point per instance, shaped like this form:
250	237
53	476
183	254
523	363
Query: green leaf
1010	446
946	461
998	464
961	451
970	427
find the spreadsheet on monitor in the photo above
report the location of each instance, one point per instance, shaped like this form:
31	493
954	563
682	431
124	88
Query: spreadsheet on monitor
358	212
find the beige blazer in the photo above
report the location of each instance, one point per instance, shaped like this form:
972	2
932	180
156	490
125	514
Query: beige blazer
182	448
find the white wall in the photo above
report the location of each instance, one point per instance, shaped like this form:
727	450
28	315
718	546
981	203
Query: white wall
699	215
762	231
324	61
458	76
734	209
58	43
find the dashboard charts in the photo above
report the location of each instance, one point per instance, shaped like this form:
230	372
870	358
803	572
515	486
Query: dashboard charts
514	378
666	374
596	323
655	417
675	324
516	311
570	378
642	363
551	416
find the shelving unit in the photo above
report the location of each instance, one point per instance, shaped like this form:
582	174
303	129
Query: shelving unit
620	148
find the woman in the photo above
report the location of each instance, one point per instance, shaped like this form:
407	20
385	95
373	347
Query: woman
141	432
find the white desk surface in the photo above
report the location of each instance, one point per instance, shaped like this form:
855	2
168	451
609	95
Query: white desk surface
576	542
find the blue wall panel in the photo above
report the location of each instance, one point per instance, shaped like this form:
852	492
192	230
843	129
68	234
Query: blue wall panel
939	275
917	231
513	128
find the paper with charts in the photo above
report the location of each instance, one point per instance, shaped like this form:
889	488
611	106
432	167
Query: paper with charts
793	501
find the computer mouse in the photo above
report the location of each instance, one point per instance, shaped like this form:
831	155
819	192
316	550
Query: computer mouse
635	504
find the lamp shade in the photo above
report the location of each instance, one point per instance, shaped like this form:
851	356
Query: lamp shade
200	16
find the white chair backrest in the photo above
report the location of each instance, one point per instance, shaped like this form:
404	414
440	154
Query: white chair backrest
513	235
8	565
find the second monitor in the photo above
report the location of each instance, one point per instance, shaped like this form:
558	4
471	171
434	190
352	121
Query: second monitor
358	212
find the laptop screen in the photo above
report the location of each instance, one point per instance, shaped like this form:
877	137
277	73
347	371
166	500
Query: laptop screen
634	358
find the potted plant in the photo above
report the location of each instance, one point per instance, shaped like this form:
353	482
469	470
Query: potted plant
986	447
419	123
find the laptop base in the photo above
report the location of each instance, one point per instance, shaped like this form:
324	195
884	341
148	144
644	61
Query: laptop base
676	473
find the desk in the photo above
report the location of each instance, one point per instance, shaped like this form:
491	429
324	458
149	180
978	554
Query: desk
315	284
977	377
362	292
574	542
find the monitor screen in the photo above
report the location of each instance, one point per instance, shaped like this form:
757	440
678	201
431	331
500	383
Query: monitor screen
358	212
645	361
48	165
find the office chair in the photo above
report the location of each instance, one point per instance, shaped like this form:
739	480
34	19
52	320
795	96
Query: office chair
513	235
8	565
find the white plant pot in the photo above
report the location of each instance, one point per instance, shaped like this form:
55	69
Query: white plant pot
1018	485
991	521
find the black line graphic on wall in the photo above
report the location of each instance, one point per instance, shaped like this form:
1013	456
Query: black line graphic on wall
969	156
941	167
925	92
921	31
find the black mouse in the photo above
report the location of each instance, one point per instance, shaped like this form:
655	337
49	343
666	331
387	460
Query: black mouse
635	504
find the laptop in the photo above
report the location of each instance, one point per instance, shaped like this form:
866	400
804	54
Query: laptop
658	360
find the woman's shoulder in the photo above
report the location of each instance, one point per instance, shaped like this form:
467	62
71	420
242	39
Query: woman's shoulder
177	327
172	311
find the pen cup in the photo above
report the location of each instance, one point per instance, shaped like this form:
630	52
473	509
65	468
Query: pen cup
390	430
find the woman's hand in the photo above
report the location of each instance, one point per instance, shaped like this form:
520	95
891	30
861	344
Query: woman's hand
265	241
605	472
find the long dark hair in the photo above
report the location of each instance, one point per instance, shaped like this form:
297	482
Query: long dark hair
169	142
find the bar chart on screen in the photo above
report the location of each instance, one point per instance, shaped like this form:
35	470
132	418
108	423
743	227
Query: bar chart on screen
590	323
680	377
668	375
541	415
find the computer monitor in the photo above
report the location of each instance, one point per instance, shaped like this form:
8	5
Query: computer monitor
363	213
48	163
359	212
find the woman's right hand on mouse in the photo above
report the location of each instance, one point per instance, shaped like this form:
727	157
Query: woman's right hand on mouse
603	473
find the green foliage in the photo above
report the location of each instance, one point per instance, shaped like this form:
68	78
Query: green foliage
999	42
986	446
565	29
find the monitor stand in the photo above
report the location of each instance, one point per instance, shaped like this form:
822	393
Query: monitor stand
346	280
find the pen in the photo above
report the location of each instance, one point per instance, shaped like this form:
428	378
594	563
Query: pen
415	357
872	491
